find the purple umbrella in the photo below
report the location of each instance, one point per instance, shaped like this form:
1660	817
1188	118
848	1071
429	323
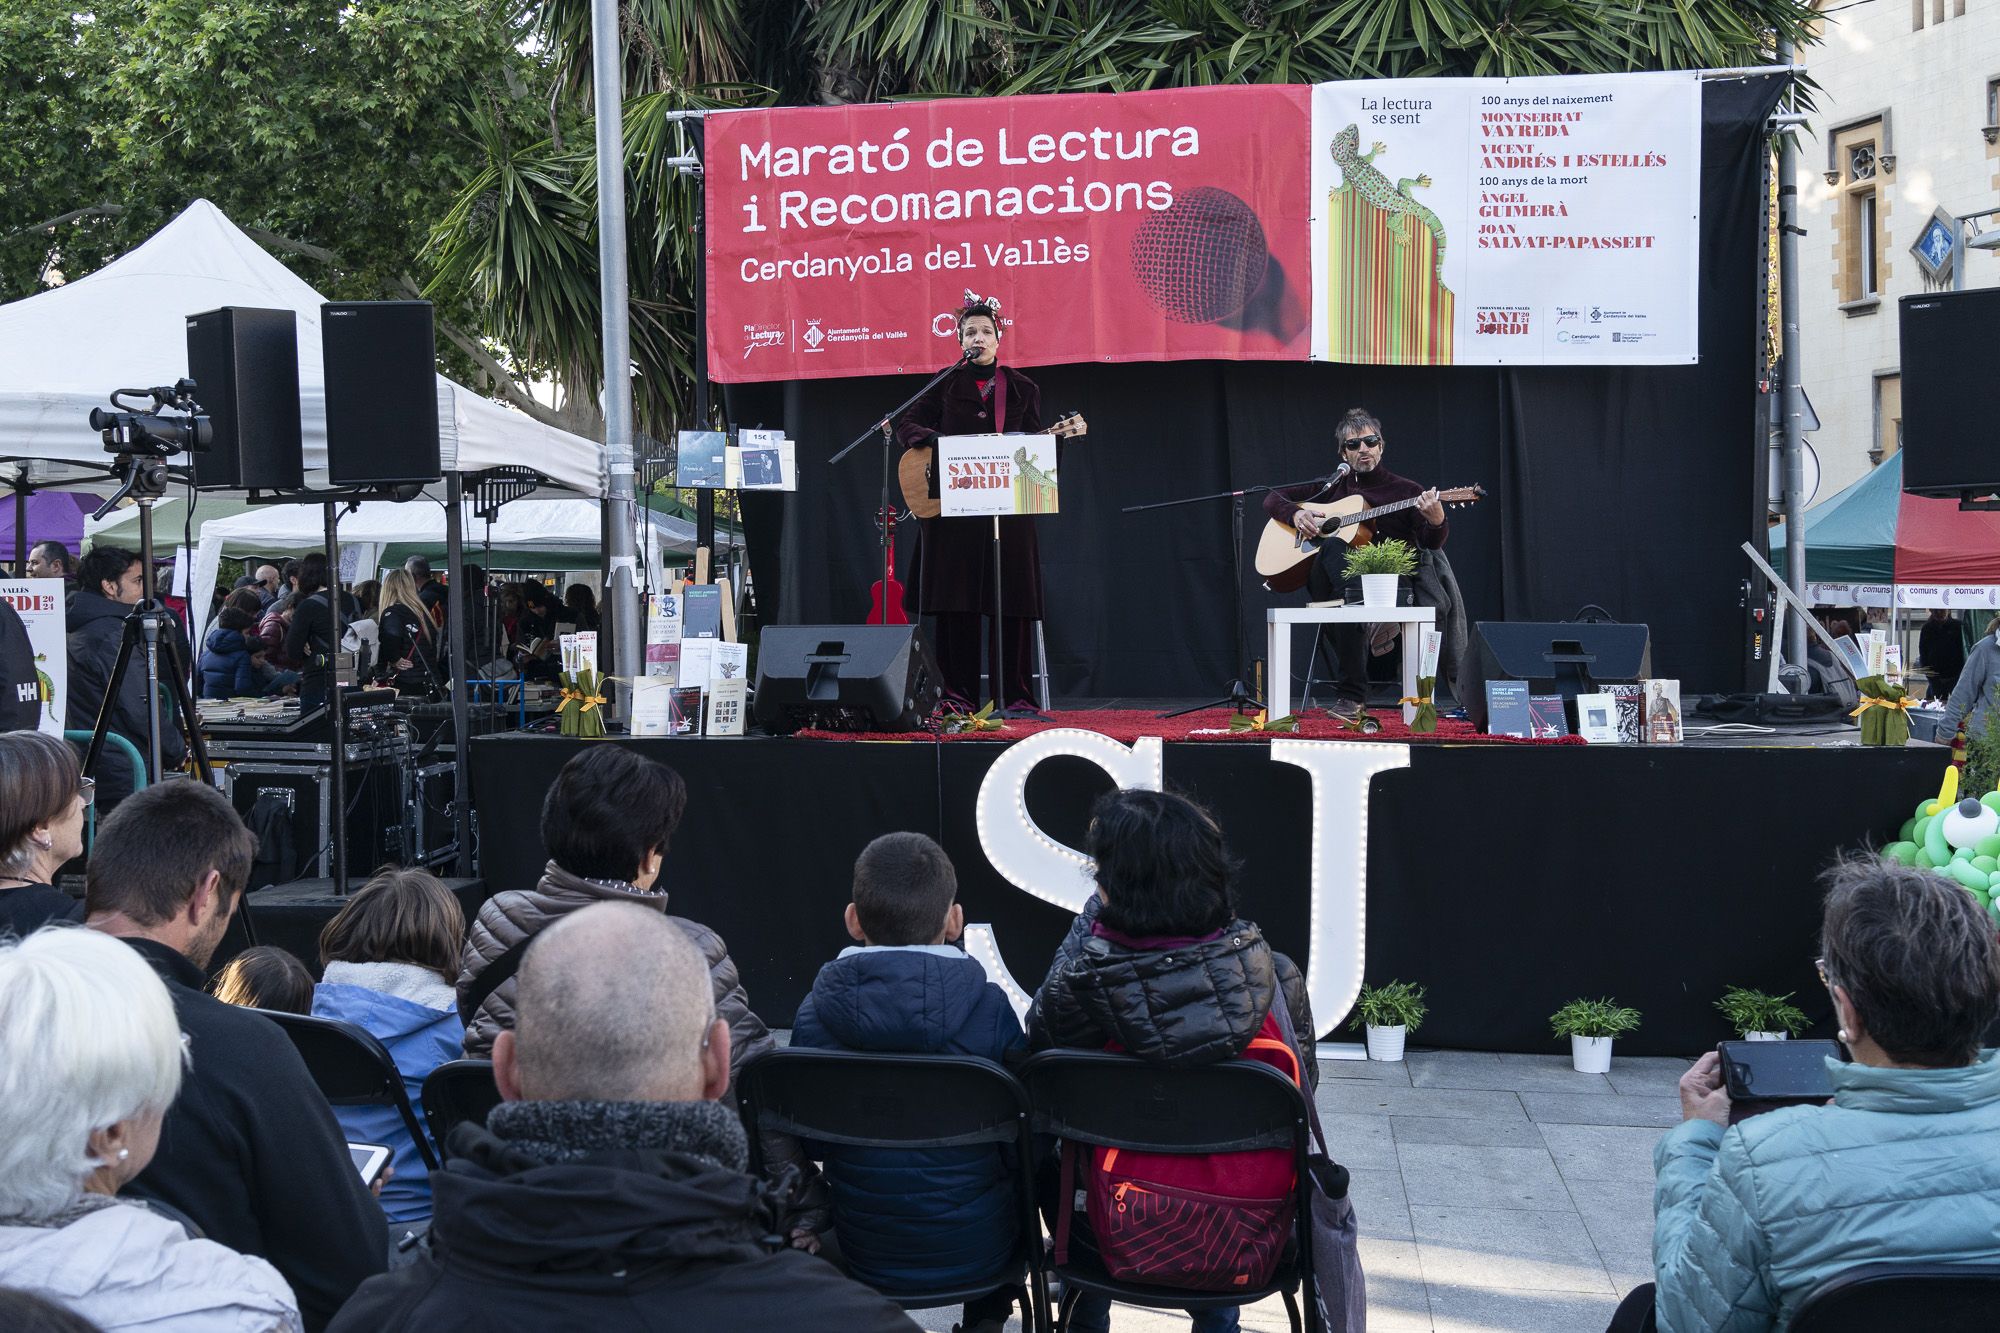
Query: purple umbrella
53	516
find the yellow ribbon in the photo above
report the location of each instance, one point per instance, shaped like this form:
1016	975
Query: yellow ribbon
1869	701
1418	702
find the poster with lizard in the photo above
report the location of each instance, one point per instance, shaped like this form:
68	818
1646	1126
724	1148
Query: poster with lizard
40	603
1506	221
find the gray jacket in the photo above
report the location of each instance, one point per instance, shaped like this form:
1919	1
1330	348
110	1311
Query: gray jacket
1972	698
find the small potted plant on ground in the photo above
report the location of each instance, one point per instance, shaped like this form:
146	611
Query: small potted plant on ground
1390	1012
1380	566
1590	1026
1761	1017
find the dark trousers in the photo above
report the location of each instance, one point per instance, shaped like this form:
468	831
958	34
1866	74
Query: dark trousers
1349	643
962	660
1635	1313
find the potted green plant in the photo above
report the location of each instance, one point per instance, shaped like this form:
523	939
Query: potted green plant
1761	1017
1379	566
1590	1026
1390	1012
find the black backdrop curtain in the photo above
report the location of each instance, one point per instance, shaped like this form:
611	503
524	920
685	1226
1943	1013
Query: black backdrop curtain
1630	488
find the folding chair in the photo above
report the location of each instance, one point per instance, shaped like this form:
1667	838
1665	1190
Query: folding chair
1937	1298
1118	1101
865	1100
352	1068
457	1091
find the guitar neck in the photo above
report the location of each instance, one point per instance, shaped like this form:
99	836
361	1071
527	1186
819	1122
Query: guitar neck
1350	519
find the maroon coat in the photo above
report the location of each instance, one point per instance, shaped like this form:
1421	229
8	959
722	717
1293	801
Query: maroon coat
1379	487
952	572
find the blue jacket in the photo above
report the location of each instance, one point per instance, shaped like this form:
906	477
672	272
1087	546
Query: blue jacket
226	671
1903	1167
419	1040
915	1218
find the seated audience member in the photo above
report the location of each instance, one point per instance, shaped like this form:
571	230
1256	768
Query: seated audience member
390	958
409	641
90	1060
609	1190
913	1219
43	797
250	1151
605	823
582	606
228	655
1903	1166
50	560
265	977
1159	962
110	582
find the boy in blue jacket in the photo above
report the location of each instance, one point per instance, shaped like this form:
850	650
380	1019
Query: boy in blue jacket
916	1218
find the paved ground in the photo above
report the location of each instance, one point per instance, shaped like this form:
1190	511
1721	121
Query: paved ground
1494	1192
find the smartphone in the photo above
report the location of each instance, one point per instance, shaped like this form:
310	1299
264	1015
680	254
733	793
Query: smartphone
370	1159
1765	1075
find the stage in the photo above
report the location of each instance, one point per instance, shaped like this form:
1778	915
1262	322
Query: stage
1506	878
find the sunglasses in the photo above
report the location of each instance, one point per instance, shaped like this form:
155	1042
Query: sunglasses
1360	442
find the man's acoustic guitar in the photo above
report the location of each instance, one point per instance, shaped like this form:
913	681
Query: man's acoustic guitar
915	470
1285	555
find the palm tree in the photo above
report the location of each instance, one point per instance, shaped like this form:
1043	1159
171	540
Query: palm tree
521	237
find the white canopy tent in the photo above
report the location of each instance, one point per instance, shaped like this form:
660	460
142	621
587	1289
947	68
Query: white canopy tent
63	350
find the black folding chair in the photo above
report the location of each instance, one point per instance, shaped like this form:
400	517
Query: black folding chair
457	1091
1937	1298
863	1100
352	1068
1118	1101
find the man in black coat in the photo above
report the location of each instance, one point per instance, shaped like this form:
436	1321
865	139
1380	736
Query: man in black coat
250	1151
20	687
109	583
610	1189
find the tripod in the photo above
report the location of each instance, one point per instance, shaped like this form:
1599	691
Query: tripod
149	630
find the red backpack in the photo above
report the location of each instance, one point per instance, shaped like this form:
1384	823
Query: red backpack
1204	1222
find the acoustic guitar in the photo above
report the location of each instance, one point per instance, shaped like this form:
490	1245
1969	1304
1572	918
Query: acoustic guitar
885	597
916	470
1285	555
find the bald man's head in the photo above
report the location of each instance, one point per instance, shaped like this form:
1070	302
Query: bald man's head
613	1004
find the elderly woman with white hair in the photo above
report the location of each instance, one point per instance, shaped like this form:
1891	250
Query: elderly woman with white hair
90	1059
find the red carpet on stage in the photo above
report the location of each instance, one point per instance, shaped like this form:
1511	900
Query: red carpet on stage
1126	725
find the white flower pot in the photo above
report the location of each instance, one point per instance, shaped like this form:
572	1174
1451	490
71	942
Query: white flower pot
1590	1055
1386	1043
1379	589
1765	1036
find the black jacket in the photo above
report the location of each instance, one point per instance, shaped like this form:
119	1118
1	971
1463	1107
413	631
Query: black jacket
1188	1005
96	629
251	1152
26	908
20	686
404	636
621	1239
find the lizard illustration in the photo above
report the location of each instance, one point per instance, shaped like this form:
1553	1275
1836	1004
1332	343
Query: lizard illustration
1357	175
45	687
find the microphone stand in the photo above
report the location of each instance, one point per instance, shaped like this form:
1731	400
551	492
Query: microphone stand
887	425
1239	698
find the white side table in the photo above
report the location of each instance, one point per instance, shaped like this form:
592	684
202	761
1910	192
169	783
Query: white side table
1278	656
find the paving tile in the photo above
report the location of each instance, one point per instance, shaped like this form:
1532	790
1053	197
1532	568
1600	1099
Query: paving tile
1395	1277
1648	1073
1414	1130
1478	1248
1486	1309
1622	1153
1451	1174
1381	1209
1361	1142
1364	1071
1388	1099
1559	1108
1619	1218
1506	1073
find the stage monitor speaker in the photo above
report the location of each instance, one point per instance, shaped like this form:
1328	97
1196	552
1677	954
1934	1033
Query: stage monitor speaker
381	392
845	678
1561	655
245	366
1951	398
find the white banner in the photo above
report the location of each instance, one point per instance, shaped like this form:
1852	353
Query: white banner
983	475
41	605
1547	221
1914	596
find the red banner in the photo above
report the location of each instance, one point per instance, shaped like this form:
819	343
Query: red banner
1128	227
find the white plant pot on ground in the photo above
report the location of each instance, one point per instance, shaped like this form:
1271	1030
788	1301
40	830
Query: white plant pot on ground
1379	589
1386	1043
1765	1036
1590	1055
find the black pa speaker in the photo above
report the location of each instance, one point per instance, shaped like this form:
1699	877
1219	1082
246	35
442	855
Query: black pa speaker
1951	398
845	678
1565	657
381	392
245	366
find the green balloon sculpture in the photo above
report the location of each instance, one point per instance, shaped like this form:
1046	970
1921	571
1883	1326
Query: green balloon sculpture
1959	839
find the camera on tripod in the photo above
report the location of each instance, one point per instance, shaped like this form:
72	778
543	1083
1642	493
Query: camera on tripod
146	431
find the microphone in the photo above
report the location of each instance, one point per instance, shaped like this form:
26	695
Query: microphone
1339	472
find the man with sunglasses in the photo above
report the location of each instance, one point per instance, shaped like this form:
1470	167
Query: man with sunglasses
1424	527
